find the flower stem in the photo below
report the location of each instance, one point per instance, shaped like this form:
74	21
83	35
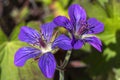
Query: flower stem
65	62
67	57
61	74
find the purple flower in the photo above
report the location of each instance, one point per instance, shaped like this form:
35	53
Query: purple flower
41	46
82	30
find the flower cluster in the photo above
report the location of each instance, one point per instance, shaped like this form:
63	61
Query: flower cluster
82	30
44	42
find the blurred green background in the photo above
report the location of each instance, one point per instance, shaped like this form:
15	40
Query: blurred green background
85	64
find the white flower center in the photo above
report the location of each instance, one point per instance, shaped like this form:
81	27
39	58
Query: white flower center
86	36
46	49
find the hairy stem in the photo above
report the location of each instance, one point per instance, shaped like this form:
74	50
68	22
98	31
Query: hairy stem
65	62
67	57
61	74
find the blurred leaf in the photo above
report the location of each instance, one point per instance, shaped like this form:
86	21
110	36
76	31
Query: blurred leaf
34	24
20	15
86	48
3	37
10	72
101	64
116	8
49	18
104	62
14	12
64	3
24	13
1	48
117	73
112	8
59	10
46	2
110	58
93	9
97	64
111	26
16	30
108	53
109	9
102	2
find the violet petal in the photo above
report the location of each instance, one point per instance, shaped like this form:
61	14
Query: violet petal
47	30
95	42
29	35
25	53
77	15
47	64
62	42
95	26
78	44
64	22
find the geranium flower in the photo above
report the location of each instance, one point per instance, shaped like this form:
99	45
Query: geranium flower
41	47
82	30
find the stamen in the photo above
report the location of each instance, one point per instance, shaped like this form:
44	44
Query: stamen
42	43
54	36
34	45
84	29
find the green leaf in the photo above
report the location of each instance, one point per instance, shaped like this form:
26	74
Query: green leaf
116	6
93	9
49	18
102	2
24	13
3	37
11	72
20	15
110	57
34	24
15	32
112	8
59	9
111	26
46	2
64	3
117	73
102	64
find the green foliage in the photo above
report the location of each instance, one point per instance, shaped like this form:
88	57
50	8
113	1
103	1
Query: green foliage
107	11
23	13
15	32
3	37
46	2
60	9
93	9
102	2
34	24
115	8
8	71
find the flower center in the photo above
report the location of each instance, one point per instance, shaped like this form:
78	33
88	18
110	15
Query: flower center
44	45
46	49
42	42
83	29
86	36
